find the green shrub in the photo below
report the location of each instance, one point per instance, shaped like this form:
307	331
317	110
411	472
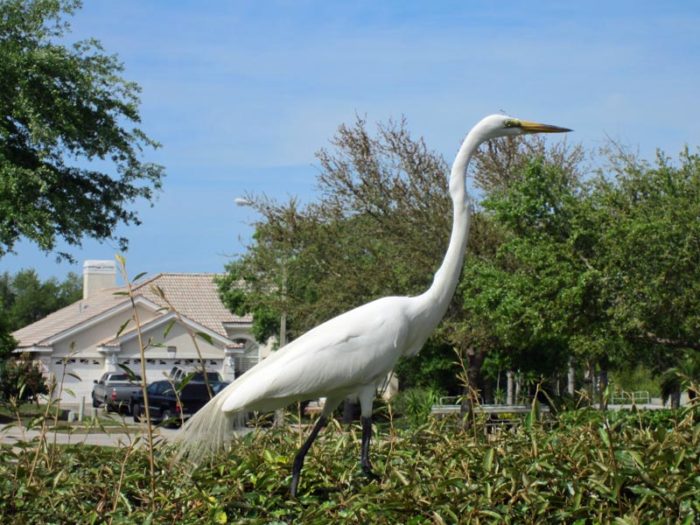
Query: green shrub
589	468
415	404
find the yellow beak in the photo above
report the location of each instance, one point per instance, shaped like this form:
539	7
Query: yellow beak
536	127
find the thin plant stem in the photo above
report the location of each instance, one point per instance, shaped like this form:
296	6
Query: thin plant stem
159	291
142	350
120	482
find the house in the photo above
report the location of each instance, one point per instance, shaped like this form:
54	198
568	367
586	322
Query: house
179	315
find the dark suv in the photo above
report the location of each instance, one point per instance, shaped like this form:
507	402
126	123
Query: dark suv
167	407
178	374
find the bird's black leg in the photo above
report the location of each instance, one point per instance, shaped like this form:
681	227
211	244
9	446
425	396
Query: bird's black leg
299	458
364	459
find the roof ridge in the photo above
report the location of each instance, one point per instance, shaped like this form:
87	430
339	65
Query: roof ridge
160	275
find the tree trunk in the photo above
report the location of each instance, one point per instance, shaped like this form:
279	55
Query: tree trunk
676	398
571	379
475	358
487	392
509	387
603	386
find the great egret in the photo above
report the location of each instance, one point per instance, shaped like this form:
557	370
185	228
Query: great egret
351	354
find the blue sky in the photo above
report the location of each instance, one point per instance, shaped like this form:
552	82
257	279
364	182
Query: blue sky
242	94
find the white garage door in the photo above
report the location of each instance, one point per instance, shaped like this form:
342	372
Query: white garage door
157	369
78	376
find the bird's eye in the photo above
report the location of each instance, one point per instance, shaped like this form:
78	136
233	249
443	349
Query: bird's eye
511	123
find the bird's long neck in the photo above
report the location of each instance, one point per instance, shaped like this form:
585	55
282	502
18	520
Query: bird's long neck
437	298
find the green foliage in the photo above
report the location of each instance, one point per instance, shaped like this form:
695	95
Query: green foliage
21	379
379	229
7	342
235	292
69	151
650	248
433	368
590	467
26	299
415	404
631	379
685	375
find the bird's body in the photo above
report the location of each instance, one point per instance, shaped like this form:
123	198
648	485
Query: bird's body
365	357
352	353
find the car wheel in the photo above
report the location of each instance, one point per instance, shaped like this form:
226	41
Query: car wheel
136	412
95	403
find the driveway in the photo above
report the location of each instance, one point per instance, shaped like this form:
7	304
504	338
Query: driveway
11	434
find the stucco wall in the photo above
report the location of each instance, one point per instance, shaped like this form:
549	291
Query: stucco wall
84	344
177	337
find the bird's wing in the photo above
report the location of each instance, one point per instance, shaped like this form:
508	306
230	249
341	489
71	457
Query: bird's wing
348	351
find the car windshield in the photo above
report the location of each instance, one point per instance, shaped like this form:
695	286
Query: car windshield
124	377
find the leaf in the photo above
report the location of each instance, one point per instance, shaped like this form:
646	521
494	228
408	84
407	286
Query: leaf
168	327
138	276
488	460
132	376
206	337
268	456
158	291
220	517
122	327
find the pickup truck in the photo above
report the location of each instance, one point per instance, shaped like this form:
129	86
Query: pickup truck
167	407
114	390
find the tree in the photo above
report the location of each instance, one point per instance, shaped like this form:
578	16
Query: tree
21	379
521	255
24	299
380	228
651	239
69	149
649	252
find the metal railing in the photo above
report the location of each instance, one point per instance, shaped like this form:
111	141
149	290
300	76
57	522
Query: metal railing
640	397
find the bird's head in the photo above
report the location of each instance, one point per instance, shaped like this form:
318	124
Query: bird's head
504	126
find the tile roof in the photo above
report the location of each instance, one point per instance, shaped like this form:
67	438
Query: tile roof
193	295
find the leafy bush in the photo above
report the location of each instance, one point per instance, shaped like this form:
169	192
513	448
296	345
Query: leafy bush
589	468
415	404
21	379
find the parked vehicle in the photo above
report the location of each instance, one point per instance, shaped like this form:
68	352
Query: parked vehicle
178	374
168	406
114	390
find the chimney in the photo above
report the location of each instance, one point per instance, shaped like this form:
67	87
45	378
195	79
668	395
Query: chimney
98	275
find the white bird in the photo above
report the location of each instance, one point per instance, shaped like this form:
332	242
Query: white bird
351	354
